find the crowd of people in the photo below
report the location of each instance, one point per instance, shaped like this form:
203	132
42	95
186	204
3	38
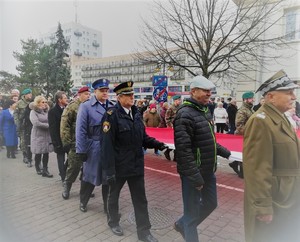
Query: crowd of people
104	143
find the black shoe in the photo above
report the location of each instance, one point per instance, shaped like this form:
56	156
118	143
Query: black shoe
46	173
167	154
82	207
179	229
117	230
148	238
92	195
13	156
235	166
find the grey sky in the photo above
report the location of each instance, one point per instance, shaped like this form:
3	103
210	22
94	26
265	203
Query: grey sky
119	22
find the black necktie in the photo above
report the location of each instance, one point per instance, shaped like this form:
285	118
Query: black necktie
130	115
103	105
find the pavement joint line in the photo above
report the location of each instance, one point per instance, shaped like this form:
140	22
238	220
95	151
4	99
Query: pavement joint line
177	175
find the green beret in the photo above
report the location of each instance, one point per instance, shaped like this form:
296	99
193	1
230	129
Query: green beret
248	95
26	91
176	97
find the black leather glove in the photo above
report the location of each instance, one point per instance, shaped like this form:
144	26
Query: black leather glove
82	156
163	147
67	148
111	180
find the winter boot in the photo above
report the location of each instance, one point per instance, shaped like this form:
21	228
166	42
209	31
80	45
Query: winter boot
7	152
66	191
29	164
46	173
37	166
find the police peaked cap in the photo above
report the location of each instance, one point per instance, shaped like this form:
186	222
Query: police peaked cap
100	83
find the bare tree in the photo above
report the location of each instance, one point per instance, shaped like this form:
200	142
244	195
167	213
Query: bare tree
210	37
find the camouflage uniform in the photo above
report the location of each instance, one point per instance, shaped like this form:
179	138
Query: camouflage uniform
67	133
170	115
242	116
19	121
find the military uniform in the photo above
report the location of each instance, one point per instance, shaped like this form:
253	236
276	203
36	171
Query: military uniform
271	160
19	121
67	133
170	115
242	116
272	179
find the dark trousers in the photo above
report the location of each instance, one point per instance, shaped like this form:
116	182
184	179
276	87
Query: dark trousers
42	157
197	205
136	186
220	127
61	165
86	190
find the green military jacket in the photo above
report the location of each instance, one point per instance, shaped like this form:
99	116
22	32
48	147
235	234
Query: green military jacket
271	162
242	116
68	123
19	113
170	115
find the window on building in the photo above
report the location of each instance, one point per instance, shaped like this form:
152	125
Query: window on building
292	24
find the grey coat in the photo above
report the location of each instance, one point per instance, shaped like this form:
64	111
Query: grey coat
40	135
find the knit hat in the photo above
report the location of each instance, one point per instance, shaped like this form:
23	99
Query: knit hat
152	106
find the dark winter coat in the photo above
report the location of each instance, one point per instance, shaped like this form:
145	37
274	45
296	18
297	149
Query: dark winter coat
122	142
88	129
195	142
40	136
231	110
8	128
54	117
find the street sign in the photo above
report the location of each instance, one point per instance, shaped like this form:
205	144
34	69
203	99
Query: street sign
160	94
161	81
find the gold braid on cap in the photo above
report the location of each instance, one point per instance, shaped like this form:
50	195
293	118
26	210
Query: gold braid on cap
125	89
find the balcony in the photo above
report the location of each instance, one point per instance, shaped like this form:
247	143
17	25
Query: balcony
78	33
78	53
95	44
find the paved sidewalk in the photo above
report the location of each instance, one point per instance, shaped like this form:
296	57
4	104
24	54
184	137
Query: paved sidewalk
32	209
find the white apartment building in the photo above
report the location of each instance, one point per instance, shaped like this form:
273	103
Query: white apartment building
84	43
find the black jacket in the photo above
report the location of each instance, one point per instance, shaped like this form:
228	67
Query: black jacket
122	142
195	143
54	117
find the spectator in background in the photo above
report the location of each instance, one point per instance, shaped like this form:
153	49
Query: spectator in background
41	144
220	117
211	105
1	101
54	117
169	117
8	129
152	119
297	109
162	114
293	118
257	106
231	110
224	103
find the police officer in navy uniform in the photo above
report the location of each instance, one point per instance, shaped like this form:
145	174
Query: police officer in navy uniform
88	127
123	138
